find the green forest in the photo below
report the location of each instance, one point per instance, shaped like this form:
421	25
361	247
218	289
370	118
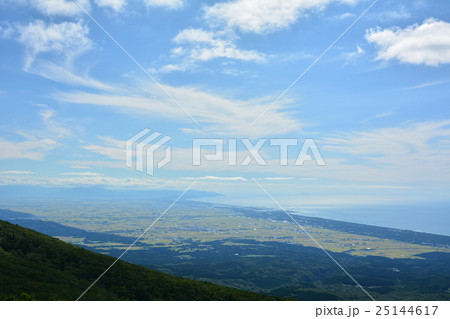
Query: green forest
34	266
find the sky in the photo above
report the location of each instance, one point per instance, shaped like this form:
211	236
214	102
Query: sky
77	80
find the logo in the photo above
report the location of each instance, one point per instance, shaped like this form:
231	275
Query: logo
146	151
253	151
143	146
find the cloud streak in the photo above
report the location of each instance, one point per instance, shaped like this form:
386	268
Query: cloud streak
217	114
33	149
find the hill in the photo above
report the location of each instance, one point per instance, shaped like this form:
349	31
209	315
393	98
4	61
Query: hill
38	267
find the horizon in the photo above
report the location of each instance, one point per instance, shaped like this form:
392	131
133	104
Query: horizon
406	216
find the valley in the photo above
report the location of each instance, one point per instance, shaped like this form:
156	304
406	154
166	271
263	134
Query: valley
254	249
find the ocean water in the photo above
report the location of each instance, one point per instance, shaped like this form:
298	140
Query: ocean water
429	218
433	218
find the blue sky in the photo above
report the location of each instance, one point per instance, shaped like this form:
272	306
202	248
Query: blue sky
376	104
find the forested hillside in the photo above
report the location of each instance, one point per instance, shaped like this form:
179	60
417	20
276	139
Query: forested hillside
34	266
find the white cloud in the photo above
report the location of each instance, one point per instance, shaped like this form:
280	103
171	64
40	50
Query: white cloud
114	149
56	7
261	16
176	67
414	152
38	142
350	2
55	128
426	85
209	45
168	4
385	187
81	174
418	152
63	74
67	8
6	31
384	114
111	152
201	45
51	50
16	172
428	43
219	178
400	13
257	16
87	165
397	141
393	156
344	16
195	35
377	116
116	5
191	131
68	39
127	183
34	149
359	52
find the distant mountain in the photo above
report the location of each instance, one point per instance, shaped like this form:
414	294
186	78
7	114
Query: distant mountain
34	266
29	192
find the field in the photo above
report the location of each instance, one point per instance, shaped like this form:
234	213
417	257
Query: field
200	223
254	249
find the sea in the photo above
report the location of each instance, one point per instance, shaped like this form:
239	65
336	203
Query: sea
431	218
